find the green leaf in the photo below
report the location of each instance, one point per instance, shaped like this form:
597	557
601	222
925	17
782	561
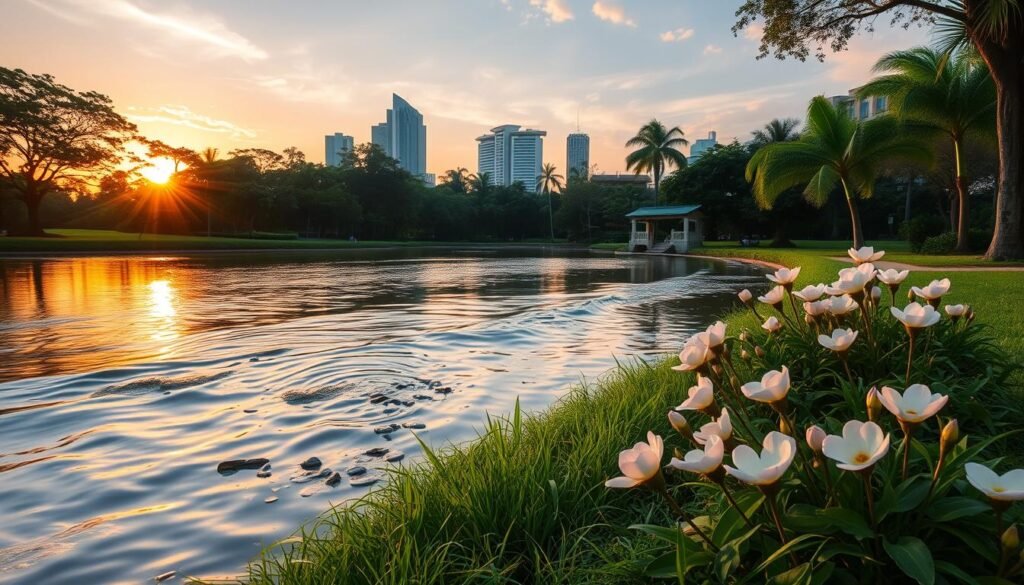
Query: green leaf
729	555
911	493
804	518
952	570
912	556
730	523
665	566
955	507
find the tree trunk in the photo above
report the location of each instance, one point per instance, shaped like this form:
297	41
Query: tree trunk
906	206
963	245
32	200
657	186
1006	63
858	234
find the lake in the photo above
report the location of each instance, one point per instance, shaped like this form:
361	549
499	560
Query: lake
126	380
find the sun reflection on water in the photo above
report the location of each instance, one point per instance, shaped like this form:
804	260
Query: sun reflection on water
161	309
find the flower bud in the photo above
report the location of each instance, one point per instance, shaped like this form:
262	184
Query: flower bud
745	296
679	423
1010	538
874	404
759	352
815	438
950	436
910	295
745	355
744	336
876	294
808	319
784	427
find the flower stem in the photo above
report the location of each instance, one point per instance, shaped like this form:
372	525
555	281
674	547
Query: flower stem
732	502
870	497
908	431
681	515
910	357
770	496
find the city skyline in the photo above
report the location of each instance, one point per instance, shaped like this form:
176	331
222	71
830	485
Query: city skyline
233	76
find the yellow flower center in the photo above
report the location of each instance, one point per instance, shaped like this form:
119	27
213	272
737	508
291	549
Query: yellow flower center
911	411
861	457
998	489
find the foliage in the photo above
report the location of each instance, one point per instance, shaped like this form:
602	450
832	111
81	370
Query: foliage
919	229
656	149
941	244
55	138
778	130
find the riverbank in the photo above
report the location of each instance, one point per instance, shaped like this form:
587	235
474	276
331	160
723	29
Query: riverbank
526	501
85	242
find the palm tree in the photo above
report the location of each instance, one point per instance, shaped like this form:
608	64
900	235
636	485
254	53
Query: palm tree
209	155
940	95
549	180
656	149
778	130
480	183
833	150
457	179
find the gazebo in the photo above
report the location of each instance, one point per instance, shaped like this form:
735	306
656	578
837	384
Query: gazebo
686	229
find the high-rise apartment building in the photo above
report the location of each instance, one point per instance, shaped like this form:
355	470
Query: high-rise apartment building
509	154
577	154
863	108
702	145
335	147
403	136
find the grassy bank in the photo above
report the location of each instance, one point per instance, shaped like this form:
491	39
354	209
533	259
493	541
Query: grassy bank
525	503
86	241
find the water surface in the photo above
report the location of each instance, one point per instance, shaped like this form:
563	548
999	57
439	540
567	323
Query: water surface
124	381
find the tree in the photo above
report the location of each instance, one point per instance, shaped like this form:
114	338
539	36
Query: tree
209	155
456	179
178	155
549	180
833	150
53	138
778	130
263	159
656	150
480	183
953	97
995	28
294	158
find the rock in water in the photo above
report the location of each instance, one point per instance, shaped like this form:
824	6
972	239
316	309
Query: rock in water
239	464
270	500
309	491
377	398
376	452
364	480
310	464
263	474
355	470
165	576
443	390
386	429
334	480
414	425
394	457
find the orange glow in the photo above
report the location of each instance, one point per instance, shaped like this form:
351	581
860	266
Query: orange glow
159	170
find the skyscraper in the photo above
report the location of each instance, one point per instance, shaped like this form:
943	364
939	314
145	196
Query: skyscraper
702	145
403	136
577	154
509	154
335	147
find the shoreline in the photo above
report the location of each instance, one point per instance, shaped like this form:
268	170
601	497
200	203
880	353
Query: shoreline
737	259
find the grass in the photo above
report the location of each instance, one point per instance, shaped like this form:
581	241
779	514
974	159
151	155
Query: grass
84	241
525	502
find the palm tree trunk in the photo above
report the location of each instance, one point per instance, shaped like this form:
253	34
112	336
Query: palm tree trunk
657	185
963	219
858	234
551	218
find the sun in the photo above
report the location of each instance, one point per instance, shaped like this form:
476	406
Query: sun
159	170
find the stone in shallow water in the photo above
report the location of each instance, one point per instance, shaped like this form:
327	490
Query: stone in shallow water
443	390
312	475
355	470
250	410
311	463
394	457
364	480
386	429
270	500
309	491
390	410
234	465
334	480
165	576
376	451
263	474
414	425
422	397
378	398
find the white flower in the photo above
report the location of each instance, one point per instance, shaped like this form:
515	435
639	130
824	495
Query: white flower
704	460
768	467
957	310
695	353
933	291
784	276
860	447
851	281
865	254
841	305
679	423
916	316
815	437
1006	488
916	404
716	334
639	464
773	387
745	296
773	297
721	428
840	341
892	277
818	307
771	324
810	293
700	396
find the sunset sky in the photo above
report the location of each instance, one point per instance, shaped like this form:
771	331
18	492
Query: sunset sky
247	73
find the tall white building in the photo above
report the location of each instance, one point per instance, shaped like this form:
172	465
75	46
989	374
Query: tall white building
577	154
403	136
335	147
702	145
861	108
509	154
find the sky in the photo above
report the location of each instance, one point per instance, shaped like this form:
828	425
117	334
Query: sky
272	74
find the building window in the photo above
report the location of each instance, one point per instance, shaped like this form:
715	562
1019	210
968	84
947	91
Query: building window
865	109
880	105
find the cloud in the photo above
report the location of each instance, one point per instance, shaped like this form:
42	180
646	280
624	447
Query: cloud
556	10
177	115
712	50
754	32
204	30
610	12
676	36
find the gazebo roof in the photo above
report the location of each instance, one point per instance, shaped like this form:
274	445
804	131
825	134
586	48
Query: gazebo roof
662	212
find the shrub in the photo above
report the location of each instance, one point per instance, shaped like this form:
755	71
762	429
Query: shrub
920	228
940	244
834	475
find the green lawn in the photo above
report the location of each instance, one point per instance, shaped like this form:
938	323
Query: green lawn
77	241
525	502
